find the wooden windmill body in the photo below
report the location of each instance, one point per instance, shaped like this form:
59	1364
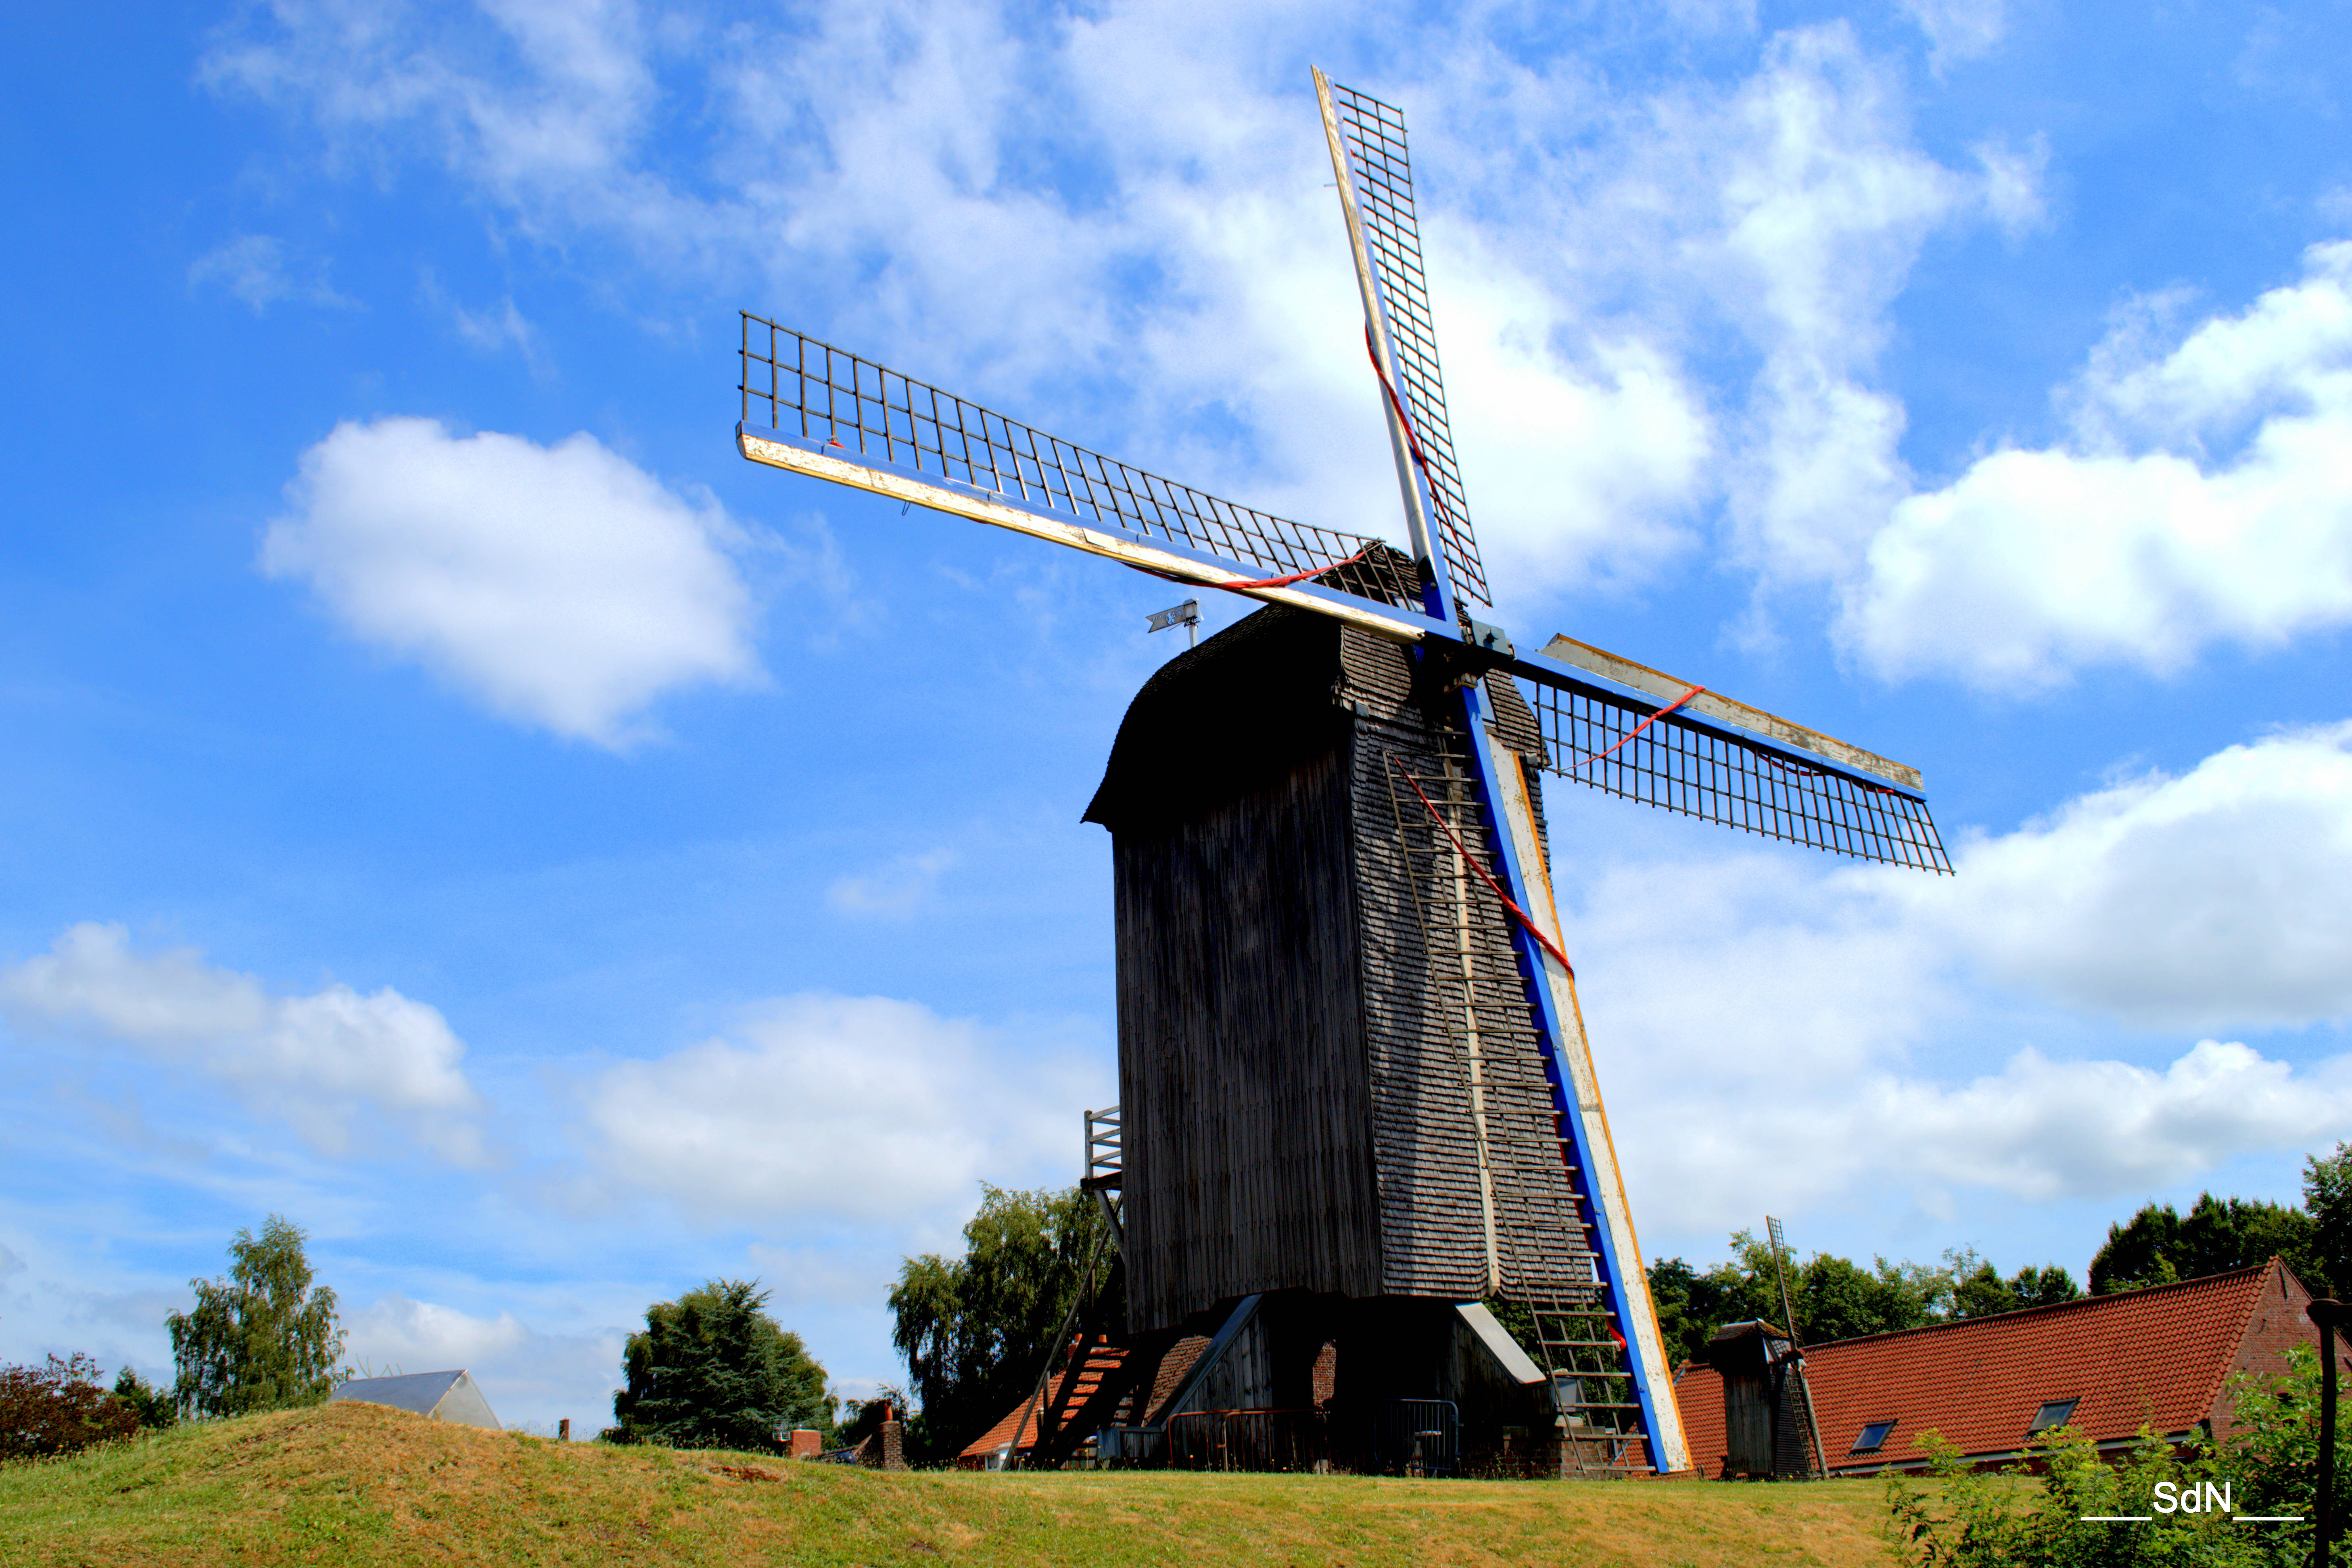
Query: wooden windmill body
1312	1095
1355	1079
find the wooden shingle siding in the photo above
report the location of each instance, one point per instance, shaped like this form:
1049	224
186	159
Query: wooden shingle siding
1294	1018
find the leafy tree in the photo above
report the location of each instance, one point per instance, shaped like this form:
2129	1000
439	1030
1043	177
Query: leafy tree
1692	1306
2327	1198
976	1330
2275	1456
712	1369
1843	1300
151	1404
1964	1519
2159	1245
262	1339
1985	1292
2044	1287
1834	1298
58	1408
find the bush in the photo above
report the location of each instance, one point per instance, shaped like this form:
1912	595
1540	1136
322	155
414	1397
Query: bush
2271	1466
58	1408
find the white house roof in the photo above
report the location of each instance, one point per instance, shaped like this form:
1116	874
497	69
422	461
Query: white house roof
440	1395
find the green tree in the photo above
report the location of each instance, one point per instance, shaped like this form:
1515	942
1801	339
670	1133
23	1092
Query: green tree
151	1404
1834	1298
712	1369
2044	1287
1843	1300
262	1339
1984	1292
1692	1306
1966	1519
2327	1198
977	1330
2159	1245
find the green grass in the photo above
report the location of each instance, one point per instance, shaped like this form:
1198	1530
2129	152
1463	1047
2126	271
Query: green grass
363	1484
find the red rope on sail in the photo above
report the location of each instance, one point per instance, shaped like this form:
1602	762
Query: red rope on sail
1411	438
1262	581
1644	724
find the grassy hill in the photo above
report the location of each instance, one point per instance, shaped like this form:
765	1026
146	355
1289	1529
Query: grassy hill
363	1484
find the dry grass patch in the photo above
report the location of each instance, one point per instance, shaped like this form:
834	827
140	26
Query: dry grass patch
363	1484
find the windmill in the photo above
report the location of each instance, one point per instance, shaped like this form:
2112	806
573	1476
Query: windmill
1464	1153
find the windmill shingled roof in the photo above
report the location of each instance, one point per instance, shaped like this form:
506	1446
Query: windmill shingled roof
1250	703
2157	1357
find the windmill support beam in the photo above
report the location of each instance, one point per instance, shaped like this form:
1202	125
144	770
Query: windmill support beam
1576	1093
797	455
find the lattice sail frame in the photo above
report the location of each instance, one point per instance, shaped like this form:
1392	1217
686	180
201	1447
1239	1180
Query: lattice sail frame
1689	766
861	412
827	395
1373	135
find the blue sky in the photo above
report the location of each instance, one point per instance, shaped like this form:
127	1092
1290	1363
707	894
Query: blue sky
455	800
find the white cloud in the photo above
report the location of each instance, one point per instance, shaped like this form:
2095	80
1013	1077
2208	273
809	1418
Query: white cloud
253	267
891	169
2220	899
856	1107
2043	1130
894	891
418	1336
1748	1007
2202	500
1824	203
1703	1159
317	1060
1958	29
505	327
561	585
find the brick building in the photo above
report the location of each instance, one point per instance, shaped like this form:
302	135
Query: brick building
2108	1367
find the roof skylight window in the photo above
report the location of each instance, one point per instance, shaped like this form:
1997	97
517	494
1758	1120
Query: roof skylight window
2054	1413
1873	1436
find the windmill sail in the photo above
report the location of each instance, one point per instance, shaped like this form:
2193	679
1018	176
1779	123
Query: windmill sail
834	416
1368	148
1632	731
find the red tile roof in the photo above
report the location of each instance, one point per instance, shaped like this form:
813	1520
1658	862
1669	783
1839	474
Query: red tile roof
2157	1357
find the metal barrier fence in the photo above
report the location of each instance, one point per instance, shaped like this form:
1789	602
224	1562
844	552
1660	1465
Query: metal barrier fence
1419	1437
1247	1440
